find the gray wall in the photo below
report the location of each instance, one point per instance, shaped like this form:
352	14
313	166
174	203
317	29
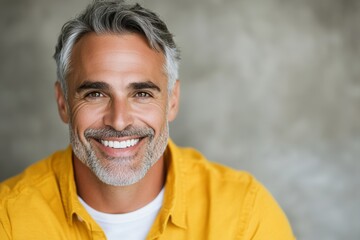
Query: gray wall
271	87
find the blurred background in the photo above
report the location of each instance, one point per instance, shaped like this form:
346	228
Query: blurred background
271	87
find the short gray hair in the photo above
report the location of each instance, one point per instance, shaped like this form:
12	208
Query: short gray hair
117	17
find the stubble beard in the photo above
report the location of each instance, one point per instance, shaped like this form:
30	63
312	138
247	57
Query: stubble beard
122	171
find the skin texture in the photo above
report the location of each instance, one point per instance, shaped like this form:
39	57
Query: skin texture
117	91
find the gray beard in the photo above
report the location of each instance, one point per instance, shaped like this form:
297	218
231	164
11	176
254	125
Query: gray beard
120	171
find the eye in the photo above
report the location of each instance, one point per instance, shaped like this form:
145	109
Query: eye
94	95
143	95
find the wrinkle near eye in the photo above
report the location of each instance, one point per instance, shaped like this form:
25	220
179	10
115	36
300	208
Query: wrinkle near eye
158	105
76	108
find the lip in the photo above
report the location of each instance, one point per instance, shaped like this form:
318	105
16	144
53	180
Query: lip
119	152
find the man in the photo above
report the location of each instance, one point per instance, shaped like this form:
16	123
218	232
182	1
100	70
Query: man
121	177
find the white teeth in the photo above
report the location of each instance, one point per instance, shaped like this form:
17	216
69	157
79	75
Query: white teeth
120	144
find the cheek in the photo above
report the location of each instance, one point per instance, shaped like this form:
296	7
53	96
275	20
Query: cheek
84	116
152	114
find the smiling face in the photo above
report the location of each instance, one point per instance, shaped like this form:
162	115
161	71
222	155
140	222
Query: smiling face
118	106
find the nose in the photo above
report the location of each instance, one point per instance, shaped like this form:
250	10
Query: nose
118	114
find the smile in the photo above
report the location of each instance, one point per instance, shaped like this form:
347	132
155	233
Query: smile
120	144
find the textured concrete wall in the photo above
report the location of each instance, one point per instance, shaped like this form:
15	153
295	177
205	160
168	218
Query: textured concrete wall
272	87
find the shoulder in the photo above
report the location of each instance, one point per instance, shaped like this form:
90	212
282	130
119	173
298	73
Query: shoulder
226	185
233	194
33	178
198	166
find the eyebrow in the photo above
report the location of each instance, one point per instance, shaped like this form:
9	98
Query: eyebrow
104	86
144	85
93	85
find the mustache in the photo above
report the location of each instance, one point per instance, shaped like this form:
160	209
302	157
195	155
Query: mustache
108	132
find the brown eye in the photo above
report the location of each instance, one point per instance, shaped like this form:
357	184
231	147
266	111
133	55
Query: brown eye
94	95
142	95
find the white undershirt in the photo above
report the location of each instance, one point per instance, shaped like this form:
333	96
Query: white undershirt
133	225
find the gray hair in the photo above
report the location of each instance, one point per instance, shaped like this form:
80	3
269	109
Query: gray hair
117	17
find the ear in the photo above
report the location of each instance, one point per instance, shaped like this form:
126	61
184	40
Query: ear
174	101
61	103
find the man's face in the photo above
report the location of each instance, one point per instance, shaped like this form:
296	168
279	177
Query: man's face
118	106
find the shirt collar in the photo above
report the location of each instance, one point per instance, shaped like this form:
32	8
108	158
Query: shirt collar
69	197
175	199
66	181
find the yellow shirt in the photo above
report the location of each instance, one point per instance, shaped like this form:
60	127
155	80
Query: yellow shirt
202	200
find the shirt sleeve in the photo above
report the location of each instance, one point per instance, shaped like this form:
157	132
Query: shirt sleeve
267	220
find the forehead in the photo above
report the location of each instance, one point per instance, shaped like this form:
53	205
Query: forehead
117	54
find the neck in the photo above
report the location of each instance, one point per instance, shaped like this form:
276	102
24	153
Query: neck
114	199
